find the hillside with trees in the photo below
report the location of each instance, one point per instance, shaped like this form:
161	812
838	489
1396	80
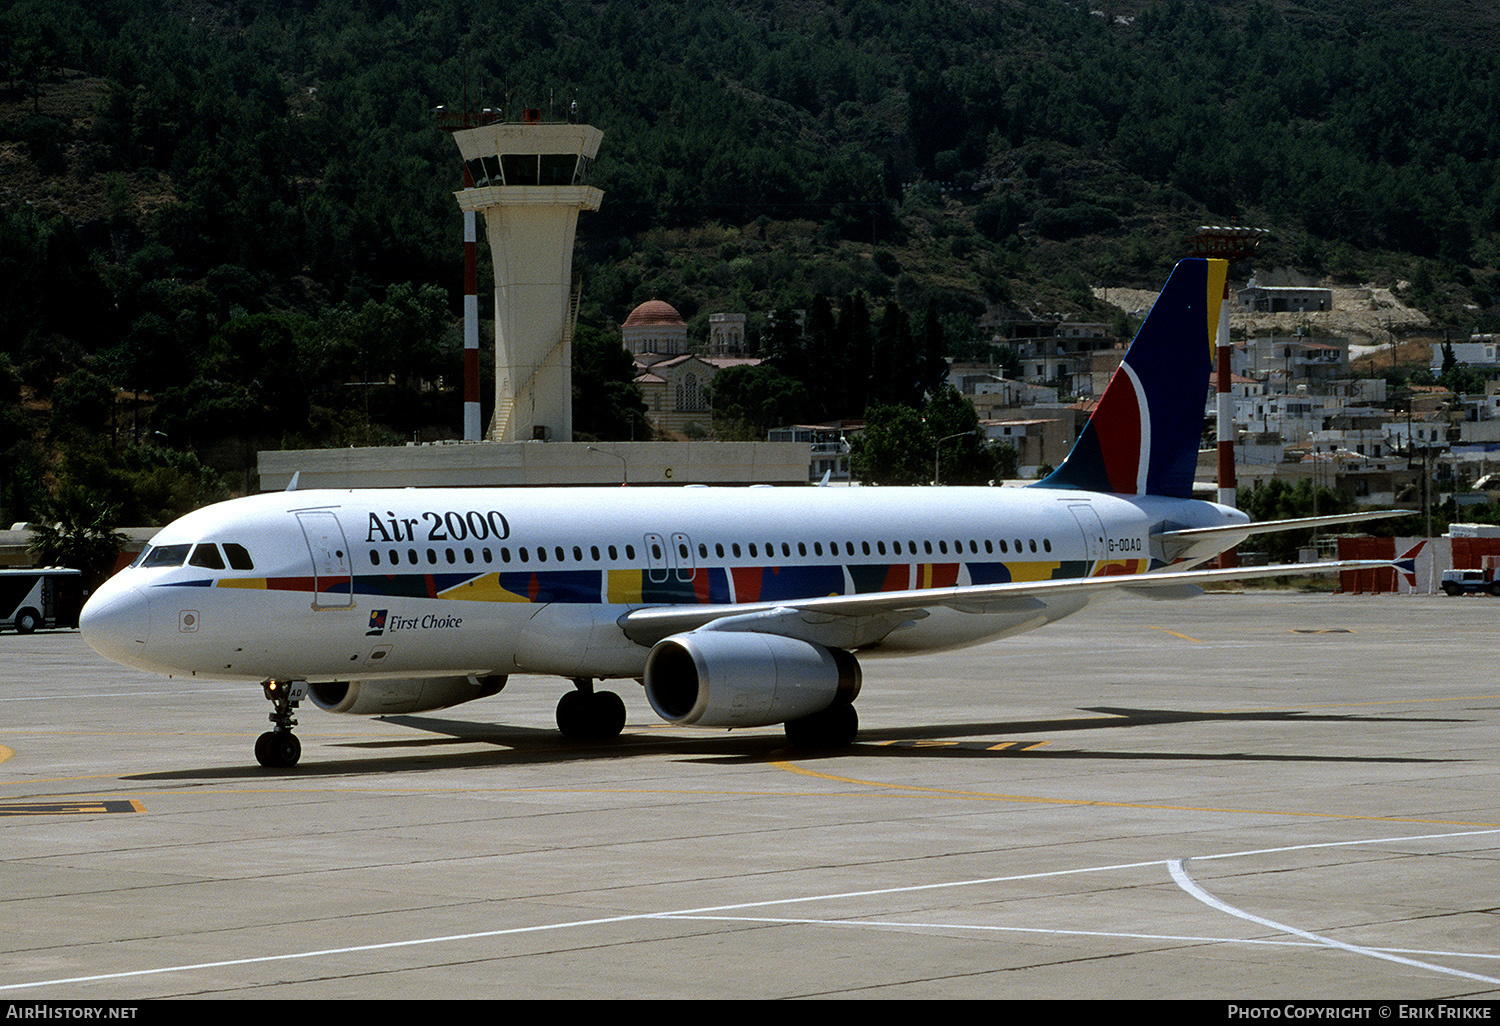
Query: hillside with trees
228	224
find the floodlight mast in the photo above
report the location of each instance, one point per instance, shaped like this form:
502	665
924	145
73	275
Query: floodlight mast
455	121
1230	244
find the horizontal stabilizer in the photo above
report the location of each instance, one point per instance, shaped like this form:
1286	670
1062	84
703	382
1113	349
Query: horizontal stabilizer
1273	526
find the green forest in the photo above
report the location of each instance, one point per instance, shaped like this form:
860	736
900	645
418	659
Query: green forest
229	224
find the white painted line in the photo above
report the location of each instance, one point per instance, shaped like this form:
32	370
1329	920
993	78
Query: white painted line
875	892
1186	882
1185	938
131	694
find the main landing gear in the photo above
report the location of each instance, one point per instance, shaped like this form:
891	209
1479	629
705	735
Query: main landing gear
834	727
279	748
584	714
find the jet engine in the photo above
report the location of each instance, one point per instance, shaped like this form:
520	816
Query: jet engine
742	679
380	697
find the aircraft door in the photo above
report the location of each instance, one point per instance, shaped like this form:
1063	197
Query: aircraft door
657	562
682	553
333	585
1093	531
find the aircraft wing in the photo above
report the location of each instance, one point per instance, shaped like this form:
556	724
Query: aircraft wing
850	621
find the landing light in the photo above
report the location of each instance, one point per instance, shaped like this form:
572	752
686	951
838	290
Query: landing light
291	690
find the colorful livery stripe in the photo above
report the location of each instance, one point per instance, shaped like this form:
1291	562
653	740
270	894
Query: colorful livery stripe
657	586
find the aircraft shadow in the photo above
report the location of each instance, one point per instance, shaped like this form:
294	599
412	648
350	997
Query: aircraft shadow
518	746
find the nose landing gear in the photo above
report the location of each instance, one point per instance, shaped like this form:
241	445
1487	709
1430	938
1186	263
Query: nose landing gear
279	748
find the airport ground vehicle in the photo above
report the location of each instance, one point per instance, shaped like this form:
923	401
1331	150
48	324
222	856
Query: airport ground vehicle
1470	582
39	597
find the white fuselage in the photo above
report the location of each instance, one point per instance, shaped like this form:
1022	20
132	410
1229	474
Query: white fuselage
351	585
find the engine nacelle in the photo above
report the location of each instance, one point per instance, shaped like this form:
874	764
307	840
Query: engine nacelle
381	697
743	679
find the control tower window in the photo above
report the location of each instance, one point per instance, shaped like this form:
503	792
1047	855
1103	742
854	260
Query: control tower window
557	168
519	168
528	169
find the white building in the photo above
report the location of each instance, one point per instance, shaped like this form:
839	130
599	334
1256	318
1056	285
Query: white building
1255	298
1480	351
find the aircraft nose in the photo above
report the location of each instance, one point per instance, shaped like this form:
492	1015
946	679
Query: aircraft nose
116	622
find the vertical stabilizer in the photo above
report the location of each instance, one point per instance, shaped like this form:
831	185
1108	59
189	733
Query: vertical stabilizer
1144	435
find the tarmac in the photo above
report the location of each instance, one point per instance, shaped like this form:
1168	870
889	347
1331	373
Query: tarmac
1253	796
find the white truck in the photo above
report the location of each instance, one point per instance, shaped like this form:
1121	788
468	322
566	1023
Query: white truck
1470	582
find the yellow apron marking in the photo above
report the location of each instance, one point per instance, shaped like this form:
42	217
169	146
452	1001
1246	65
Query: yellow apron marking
1174	634
950	793
73	807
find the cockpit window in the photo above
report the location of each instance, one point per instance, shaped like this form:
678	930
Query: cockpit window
239	557
207	556
165	555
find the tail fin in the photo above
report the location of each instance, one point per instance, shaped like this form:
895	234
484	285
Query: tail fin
1144	435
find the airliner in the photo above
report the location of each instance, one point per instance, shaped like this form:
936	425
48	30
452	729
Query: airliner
733	607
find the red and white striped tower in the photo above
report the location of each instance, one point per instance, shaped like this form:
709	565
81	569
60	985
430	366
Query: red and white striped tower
1226	244
1225	351
473	424
457	121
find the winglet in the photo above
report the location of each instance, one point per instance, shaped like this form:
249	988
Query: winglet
291	485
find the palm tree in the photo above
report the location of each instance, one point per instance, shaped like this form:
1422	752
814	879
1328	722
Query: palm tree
77	529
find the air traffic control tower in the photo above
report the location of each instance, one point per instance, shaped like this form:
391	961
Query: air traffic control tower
529	180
